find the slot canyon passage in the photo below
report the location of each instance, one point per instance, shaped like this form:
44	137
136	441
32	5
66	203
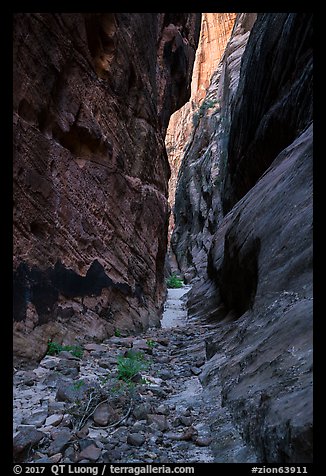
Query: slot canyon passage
108	107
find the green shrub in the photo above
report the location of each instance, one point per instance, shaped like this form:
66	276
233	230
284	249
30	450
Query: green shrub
135	355
151	344
130	366
78	385
117	332
54	348
174	282
207	104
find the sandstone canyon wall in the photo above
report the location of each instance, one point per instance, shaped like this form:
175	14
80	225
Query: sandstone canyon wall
214	35
243	232
198	203
93	94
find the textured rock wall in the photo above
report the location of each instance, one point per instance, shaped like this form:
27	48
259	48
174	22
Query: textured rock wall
260	265
215	32
254	255
198	208
93	94
270	116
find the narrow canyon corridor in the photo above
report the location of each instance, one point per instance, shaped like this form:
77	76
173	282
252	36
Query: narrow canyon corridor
170	417
162	294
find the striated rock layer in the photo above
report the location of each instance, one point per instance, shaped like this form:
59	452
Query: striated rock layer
198	208
244	230
268	117
93	94
215	32
214	35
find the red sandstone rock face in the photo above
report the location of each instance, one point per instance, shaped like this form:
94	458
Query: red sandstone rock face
216	29
93	94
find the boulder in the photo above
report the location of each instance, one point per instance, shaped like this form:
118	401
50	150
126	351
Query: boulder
136	439
105	414
25	440
60	442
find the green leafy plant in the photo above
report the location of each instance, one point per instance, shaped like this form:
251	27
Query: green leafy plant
128	368
135	355
151	344
174	282
78	385
117	332
207	104
55	348
130	365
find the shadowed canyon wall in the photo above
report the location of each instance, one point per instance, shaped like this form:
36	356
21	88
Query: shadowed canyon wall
93	94
243	231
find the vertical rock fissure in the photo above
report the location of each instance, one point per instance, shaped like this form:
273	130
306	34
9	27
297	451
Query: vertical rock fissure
215	32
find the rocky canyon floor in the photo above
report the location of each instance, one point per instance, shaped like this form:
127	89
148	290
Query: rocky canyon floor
78	410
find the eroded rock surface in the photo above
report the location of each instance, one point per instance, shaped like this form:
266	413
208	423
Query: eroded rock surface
91	170
244	232
235	383
270	116
215	32
198	207
260	287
